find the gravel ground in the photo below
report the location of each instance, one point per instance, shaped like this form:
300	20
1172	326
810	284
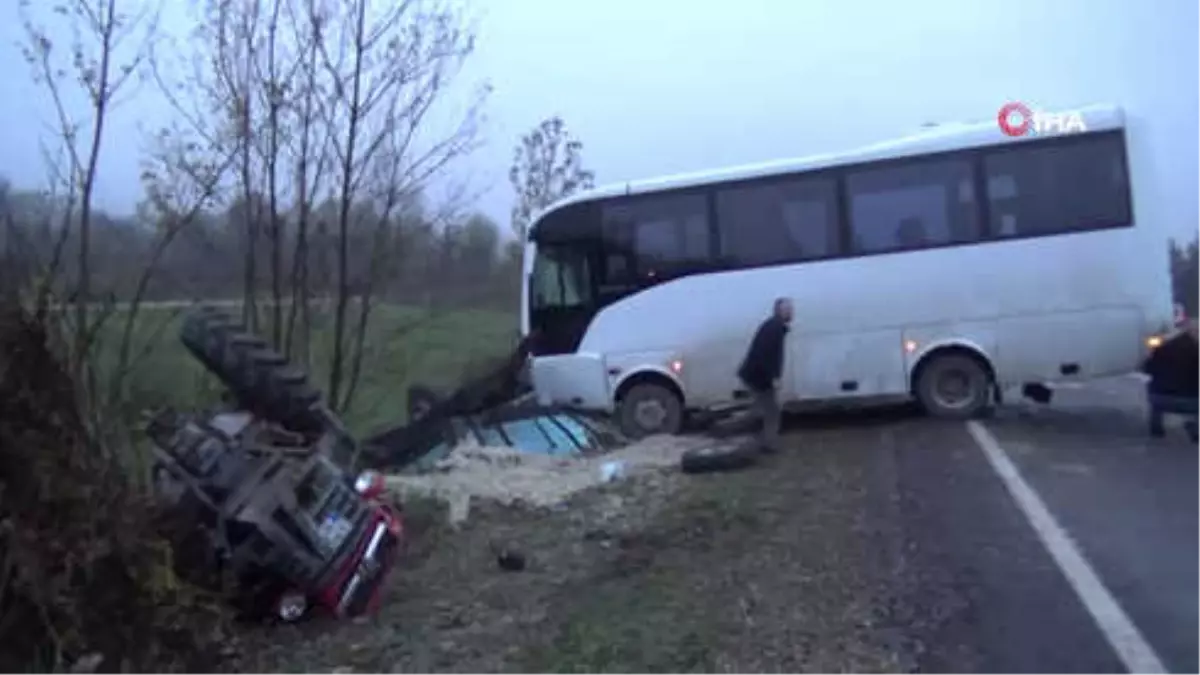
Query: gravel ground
875	542
769	569
472	473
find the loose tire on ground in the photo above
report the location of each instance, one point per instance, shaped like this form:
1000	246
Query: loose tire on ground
649	408
260	377
954	386
716	458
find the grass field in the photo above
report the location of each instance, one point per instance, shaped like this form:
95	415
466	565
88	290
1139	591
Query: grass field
403	345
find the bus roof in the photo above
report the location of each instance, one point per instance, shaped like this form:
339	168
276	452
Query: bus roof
933	139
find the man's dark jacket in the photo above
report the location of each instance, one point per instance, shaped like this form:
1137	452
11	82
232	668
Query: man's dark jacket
1173	367
764	359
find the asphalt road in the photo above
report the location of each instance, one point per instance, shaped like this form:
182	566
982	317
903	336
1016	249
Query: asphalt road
1129	501
1085	561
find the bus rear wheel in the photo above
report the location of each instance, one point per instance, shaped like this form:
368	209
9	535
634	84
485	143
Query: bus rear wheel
648	409
953	386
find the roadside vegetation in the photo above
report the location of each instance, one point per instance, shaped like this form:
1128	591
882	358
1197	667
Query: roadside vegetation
307	179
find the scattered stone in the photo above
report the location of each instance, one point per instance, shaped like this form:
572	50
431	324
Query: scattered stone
533	481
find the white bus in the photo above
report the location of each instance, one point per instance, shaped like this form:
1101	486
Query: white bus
947	266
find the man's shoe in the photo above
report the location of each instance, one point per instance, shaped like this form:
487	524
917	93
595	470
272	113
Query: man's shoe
1157	432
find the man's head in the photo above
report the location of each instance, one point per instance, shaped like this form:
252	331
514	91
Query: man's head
783	309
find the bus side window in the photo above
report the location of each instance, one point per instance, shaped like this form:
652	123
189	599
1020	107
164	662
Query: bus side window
617	270
617	267
1044	189
658	240
913	205
776	221
1002	194
666	234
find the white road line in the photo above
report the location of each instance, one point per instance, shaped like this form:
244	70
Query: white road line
1118	629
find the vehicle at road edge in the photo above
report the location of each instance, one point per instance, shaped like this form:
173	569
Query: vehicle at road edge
946	267
261	489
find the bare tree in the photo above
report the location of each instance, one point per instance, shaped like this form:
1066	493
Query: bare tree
387	69
99	63
547	166
181	180
327	106
311	169
249	67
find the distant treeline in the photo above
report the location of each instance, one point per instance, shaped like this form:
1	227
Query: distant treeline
419	257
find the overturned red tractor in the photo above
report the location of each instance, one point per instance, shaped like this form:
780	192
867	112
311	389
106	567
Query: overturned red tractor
265	485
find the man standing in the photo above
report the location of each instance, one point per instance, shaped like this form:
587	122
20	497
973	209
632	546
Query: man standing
1174	386
763	366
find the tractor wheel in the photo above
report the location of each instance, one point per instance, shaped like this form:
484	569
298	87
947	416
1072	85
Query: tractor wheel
261	378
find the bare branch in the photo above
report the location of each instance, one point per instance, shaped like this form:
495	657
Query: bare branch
547	166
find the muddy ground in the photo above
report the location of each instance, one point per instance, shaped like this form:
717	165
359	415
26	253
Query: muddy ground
776	568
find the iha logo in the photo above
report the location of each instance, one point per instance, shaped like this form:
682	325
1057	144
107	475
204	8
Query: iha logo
1018	119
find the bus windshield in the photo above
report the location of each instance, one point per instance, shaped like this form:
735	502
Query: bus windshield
561	279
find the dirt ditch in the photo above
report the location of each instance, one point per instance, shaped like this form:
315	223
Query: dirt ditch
768	569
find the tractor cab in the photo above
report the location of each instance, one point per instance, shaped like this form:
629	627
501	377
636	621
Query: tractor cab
288	522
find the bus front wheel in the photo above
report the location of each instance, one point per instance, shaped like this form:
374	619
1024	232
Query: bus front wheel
953	386
649	408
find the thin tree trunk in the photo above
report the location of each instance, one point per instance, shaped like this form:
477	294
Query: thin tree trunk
343	290
274	95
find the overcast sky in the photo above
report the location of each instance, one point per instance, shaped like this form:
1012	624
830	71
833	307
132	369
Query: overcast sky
664	86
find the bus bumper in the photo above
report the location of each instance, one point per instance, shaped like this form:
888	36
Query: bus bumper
571	380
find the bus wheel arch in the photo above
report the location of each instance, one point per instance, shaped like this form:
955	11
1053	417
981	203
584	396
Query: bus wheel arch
955	380
649	402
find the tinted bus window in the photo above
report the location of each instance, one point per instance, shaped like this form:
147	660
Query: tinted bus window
1065	186
786	220
655	236
913	205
